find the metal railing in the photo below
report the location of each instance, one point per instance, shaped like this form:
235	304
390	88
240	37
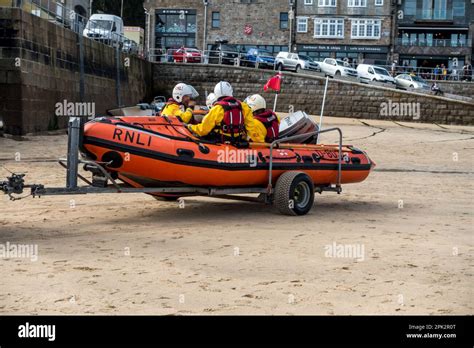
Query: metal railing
302	136
429	73
433	42
182	55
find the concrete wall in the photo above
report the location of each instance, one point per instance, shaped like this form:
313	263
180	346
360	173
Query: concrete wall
465	89
304	92
39	67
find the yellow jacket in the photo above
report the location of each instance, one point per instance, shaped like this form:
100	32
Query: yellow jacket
255	129
176	110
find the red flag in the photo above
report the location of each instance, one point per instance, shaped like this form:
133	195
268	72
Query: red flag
274	83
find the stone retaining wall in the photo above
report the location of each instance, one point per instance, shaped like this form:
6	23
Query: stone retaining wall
305	92
39	67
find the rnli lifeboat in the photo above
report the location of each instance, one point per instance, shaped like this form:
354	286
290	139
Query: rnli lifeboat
162	152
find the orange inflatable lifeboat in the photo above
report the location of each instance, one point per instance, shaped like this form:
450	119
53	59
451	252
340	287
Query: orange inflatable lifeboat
161	152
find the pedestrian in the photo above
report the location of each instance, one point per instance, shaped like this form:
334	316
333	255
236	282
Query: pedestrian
437	72
467	72
454	74
444	72
436	89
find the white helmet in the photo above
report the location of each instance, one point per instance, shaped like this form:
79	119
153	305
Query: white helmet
223	89
256	102
210	100
182	89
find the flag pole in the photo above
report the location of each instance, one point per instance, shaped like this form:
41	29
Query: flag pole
278	92
324	102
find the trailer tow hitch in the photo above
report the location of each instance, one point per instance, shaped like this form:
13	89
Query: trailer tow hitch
15	185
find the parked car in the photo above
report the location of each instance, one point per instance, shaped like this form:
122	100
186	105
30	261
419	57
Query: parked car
223	52
295	62
130	47
336	67
264	58
374	73
187	55
105	28
408	81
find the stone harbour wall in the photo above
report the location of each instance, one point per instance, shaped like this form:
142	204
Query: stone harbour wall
39	67
305	92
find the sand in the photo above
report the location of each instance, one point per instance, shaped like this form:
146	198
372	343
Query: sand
130	254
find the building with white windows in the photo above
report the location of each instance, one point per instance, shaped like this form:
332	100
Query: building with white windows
356	30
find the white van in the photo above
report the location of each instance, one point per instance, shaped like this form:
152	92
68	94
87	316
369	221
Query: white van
105	28
374	73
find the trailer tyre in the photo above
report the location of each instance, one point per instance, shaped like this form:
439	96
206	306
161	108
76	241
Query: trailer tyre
294	193
167	198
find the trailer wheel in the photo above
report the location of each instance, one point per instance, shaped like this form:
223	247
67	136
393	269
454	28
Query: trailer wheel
166	198
294	193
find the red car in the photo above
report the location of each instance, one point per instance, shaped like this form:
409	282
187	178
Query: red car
187	55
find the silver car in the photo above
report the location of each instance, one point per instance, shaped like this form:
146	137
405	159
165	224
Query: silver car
408	81
295	62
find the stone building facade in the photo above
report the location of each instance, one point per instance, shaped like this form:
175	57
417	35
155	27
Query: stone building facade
357	30
263	23
369	31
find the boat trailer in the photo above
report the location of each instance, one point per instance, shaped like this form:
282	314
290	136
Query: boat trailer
15	184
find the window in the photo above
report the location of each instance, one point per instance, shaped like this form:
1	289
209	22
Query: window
378	2
365	29
308	2
175	28
216	19
332	28
283	20
357	3
435	9
327	3
302	26
410	7
459	9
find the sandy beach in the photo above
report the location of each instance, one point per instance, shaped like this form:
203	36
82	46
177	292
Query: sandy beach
130	254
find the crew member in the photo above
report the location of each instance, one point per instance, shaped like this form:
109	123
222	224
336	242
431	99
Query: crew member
210	100
182	103
266	116
229	120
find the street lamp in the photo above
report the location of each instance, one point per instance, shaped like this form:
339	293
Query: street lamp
204	40
291	16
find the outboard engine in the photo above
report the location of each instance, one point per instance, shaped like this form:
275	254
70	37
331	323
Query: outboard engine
299	123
